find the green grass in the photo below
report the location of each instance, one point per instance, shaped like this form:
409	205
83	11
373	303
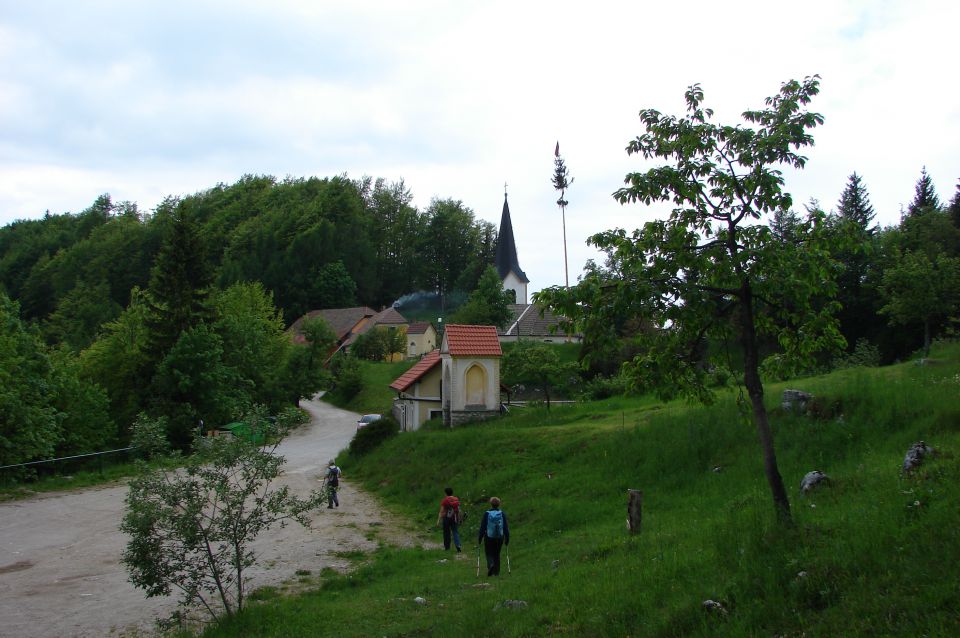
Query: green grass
376	397
874	554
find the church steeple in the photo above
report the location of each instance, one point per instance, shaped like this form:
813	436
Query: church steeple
507	264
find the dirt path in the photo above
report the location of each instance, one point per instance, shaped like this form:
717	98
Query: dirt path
60	571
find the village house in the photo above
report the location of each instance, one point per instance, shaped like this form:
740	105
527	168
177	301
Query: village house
421	339
419	393
349	323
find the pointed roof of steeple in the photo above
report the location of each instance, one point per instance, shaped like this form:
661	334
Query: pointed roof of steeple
507	247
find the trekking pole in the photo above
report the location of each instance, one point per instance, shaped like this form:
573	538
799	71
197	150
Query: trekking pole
508	558
478	560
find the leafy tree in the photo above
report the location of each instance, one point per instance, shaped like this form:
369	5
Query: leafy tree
29	422
451	238
711	271
536	364
334	287
115	362
925	197
191	529
487	305
254	344
921	290
194	383
79	315
83	407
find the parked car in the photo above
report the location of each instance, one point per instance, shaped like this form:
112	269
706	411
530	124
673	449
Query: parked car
367	419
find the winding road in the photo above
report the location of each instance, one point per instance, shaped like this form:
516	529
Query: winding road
60	571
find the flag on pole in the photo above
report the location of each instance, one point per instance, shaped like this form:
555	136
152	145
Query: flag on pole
556	151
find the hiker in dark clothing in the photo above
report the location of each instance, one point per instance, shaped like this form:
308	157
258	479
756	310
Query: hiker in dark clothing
450	516
333	484
494	533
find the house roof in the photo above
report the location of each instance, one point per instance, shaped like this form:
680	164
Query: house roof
418	328
414	374
465	341
506	259
388	316
340	320
526	321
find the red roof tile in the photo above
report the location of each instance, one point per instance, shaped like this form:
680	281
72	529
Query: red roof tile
418	328
465	341
414	374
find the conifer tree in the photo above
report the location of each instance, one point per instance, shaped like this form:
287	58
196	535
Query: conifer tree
854	204
954	208
925	197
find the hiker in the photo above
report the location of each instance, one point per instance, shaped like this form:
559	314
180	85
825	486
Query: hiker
495	534
451	517
333	484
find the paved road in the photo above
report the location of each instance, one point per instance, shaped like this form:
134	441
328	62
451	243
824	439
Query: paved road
60	571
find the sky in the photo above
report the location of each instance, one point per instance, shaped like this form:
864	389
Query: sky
145	100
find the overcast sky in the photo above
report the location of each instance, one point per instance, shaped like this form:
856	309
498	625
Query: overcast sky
143	100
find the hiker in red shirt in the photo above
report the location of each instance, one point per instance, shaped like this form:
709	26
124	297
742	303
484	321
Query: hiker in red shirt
451	517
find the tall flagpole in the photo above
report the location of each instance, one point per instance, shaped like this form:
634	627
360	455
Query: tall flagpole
561	180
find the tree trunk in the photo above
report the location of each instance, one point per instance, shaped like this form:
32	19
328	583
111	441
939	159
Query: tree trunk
751	379
926	337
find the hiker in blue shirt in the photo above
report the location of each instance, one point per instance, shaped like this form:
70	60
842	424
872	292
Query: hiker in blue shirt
495	534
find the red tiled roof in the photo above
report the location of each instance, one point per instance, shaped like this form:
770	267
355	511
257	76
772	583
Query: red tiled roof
340	320
465	341
418	328
388	316
414	374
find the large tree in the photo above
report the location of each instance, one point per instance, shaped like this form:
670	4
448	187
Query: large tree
487	304
712	271
925	196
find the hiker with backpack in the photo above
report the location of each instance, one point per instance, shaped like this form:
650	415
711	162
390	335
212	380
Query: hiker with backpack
451	516
495	534
332	481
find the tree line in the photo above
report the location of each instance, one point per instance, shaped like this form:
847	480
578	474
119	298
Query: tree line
111	313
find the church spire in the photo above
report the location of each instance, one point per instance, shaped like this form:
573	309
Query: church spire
506	260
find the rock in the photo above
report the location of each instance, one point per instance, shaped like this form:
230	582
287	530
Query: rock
812	480
420	600
511	604
556	565
717	469
795	401
442	560
916	455
714	607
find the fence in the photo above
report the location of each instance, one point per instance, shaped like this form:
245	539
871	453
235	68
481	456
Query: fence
34	470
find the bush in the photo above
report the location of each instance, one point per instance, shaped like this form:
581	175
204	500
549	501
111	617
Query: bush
601	387
348	378
368	438
864	354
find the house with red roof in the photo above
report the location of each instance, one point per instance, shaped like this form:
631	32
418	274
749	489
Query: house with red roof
419	393
460	380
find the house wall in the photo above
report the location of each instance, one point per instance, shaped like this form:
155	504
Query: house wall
421	344
413	410
459	393
512	282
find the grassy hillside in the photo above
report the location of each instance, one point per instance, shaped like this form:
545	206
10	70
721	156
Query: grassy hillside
874	554
376	395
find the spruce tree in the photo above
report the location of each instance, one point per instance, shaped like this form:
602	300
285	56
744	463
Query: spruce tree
925	198
854	204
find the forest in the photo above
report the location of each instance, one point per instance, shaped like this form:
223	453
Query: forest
113	314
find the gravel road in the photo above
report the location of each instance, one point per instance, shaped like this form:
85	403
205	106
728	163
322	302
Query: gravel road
60	571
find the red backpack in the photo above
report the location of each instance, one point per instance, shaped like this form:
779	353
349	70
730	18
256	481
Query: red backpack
453	510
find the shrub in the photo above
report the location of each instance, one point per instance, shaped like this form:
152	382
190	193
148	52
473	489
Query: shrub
601	387
369	437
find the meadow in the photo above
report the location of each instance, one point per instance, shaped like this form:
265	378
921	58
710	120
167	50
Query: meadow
874	553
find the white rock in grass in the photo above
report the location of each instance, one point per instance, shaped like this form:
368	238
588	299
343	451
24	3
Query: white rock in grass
916	455
420	600
812	480
714	607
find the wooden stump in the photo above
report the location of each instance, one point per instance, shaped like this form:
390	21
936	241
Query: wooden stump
634	510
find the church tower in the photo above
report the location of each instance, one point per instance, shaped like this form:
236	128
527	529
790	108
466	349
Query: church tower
507	265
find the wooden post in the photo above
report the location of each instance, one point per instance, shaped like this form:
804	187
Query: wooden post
634	511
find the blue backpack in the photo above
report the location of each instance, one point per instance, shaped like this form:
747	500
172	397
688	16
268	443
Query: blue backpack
494	524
